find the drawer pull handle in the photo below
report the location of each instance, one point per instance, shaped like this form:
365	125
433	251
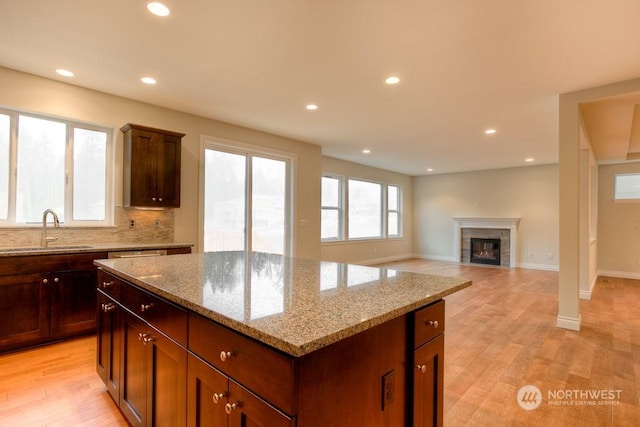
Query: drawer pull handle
106	285
56	280
142	336
225	355
108	307
146	307
218	396
146	340
422	368
433	323
45	281
230	407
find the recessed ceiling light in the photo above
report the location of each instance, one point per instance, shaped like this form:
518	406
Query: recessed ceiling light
64	72
148	80
490	131
430	170
366	151
529	159
392	80
158	8
311	107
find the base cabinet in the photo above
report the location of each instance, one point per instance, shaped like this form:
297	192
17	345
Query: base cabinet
109	344
217	401
153	382
24	310
427	384
167	366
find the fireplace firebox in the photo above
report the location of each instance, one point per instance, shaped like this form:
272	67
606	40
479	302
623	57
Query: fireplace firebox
485	251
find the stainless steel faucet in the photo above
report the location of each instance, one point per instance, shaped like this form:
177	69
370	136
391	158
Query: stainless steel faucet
56	224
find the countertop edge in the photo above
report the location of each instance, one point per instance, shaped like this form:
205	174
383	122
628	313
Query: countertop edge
88	248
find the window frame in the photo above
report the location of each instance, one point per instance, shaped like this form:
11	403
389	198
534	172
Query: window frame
615	188
382	225
339	208
70	126
344	214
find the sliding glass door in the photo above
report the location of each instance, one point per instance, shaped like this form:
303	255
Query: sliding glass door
246	201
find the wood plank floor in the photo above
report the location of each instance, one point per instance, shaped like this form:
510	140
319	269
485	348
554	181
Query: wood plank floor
500	336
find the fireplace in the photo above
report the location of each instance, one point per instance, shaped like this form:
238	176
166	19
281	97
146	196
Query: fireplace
485	251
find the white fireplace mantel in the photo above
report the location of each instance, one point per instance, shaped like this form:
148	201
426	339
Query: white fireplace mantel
510	224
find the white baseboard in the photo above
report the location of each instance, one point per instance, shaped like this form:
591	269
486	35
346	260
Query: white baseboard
374	261
532	266
570	323
619	274
436	257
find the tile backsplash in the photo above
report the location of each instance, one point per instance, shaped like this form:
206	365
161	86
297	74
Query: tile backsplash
149	226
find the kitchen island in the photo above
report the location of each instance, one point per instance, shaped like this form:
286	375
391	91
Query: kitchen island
235	338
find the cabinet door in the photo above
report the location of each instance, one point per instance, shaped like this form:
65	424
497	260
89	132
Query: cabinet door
144	167
73	302
167	392
247	410
428	384
207	391
109	344
168	172
153	389
135	381
24	309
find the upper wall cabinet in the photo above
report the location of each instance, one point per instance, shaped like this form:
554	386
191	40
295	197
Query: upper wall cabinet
151	167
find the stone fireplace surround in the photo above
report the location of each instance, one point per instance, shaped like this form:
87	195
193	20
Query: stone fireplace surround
503	228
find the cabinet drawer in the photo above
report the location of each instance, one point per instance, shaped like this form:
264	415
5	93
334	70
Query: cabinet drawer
261	369
161	314
428	323
109	285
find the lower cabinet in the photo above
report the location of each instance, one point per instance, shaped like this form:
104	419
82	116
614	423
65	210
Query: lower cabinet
24	310
109	344
428	380
217	401
73	302
153	381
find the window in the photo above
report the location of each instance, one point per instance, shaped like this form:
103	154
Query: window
331	228
246	200
372	211
365	209
53	163
627	186
393	211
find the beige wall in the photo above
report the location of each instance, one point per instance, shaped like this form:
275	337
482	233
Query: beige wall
529	193
378	250
618	226
35	94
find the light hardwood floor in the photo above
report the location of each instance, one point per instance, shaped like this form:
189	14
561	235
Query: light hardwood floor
500	336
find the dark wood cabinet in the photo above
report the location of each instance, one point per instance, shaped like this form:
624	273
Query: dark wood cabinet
109	343
151	167
428	366
24	309
73	300
217	401
427	384
144	370
46	298
180	368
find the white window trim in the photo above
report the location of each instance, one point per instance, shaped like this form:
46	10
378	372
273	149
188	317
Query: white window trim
341	209
231	146
68	198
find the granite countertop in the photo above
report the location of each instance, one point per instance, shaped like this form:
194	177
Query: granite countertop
294	305
85	248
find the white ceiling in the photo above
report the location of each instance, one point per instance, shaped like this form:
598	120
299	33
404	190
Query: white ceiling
465	65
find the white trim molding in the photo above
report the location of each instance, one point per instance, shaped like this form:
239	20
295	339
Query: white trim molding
510	224
570	323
